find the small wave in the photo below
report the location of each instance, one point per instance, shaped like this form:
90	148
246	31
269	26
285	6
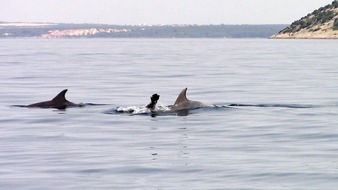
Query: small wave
273	105
217	106
132	109
93	104
160	110
19	106
80	105
138	110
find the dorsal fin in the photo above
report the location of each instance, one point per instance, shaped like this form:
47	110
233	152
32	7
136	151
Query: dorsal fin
60	97
182	97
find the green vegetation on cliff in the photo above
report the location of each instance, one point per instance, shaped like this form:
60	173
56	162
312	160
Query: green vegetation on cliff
320	21
335	24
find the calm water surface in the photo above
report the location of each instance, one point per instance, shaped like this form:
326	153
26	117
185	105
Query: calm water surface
283	135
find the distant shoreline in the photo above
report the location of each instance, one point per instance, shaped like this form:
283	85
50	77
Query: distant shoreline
56	30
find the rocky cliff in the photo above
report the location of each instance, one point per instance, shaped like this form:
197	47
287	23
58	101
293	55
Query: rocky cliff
320	24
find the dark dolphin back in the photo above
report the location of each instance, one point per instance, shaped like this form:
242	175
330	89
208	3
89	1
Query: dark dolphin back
59	102
60	97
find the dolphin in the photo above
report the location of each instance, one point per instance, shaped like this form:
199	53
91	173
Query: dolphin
58	102
181	106
183	103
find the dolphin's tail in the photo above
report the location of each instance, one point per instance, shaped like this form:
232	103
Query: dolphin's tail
154	98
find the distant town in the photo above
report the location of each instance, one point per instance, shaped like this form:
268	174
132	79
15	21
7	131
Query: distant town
57	30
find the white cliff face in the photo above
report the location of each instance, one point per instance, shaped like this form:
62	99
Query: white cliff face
80	32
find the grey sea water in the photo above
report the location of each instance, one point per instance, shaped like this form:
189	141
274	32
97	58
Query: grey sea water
275	128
